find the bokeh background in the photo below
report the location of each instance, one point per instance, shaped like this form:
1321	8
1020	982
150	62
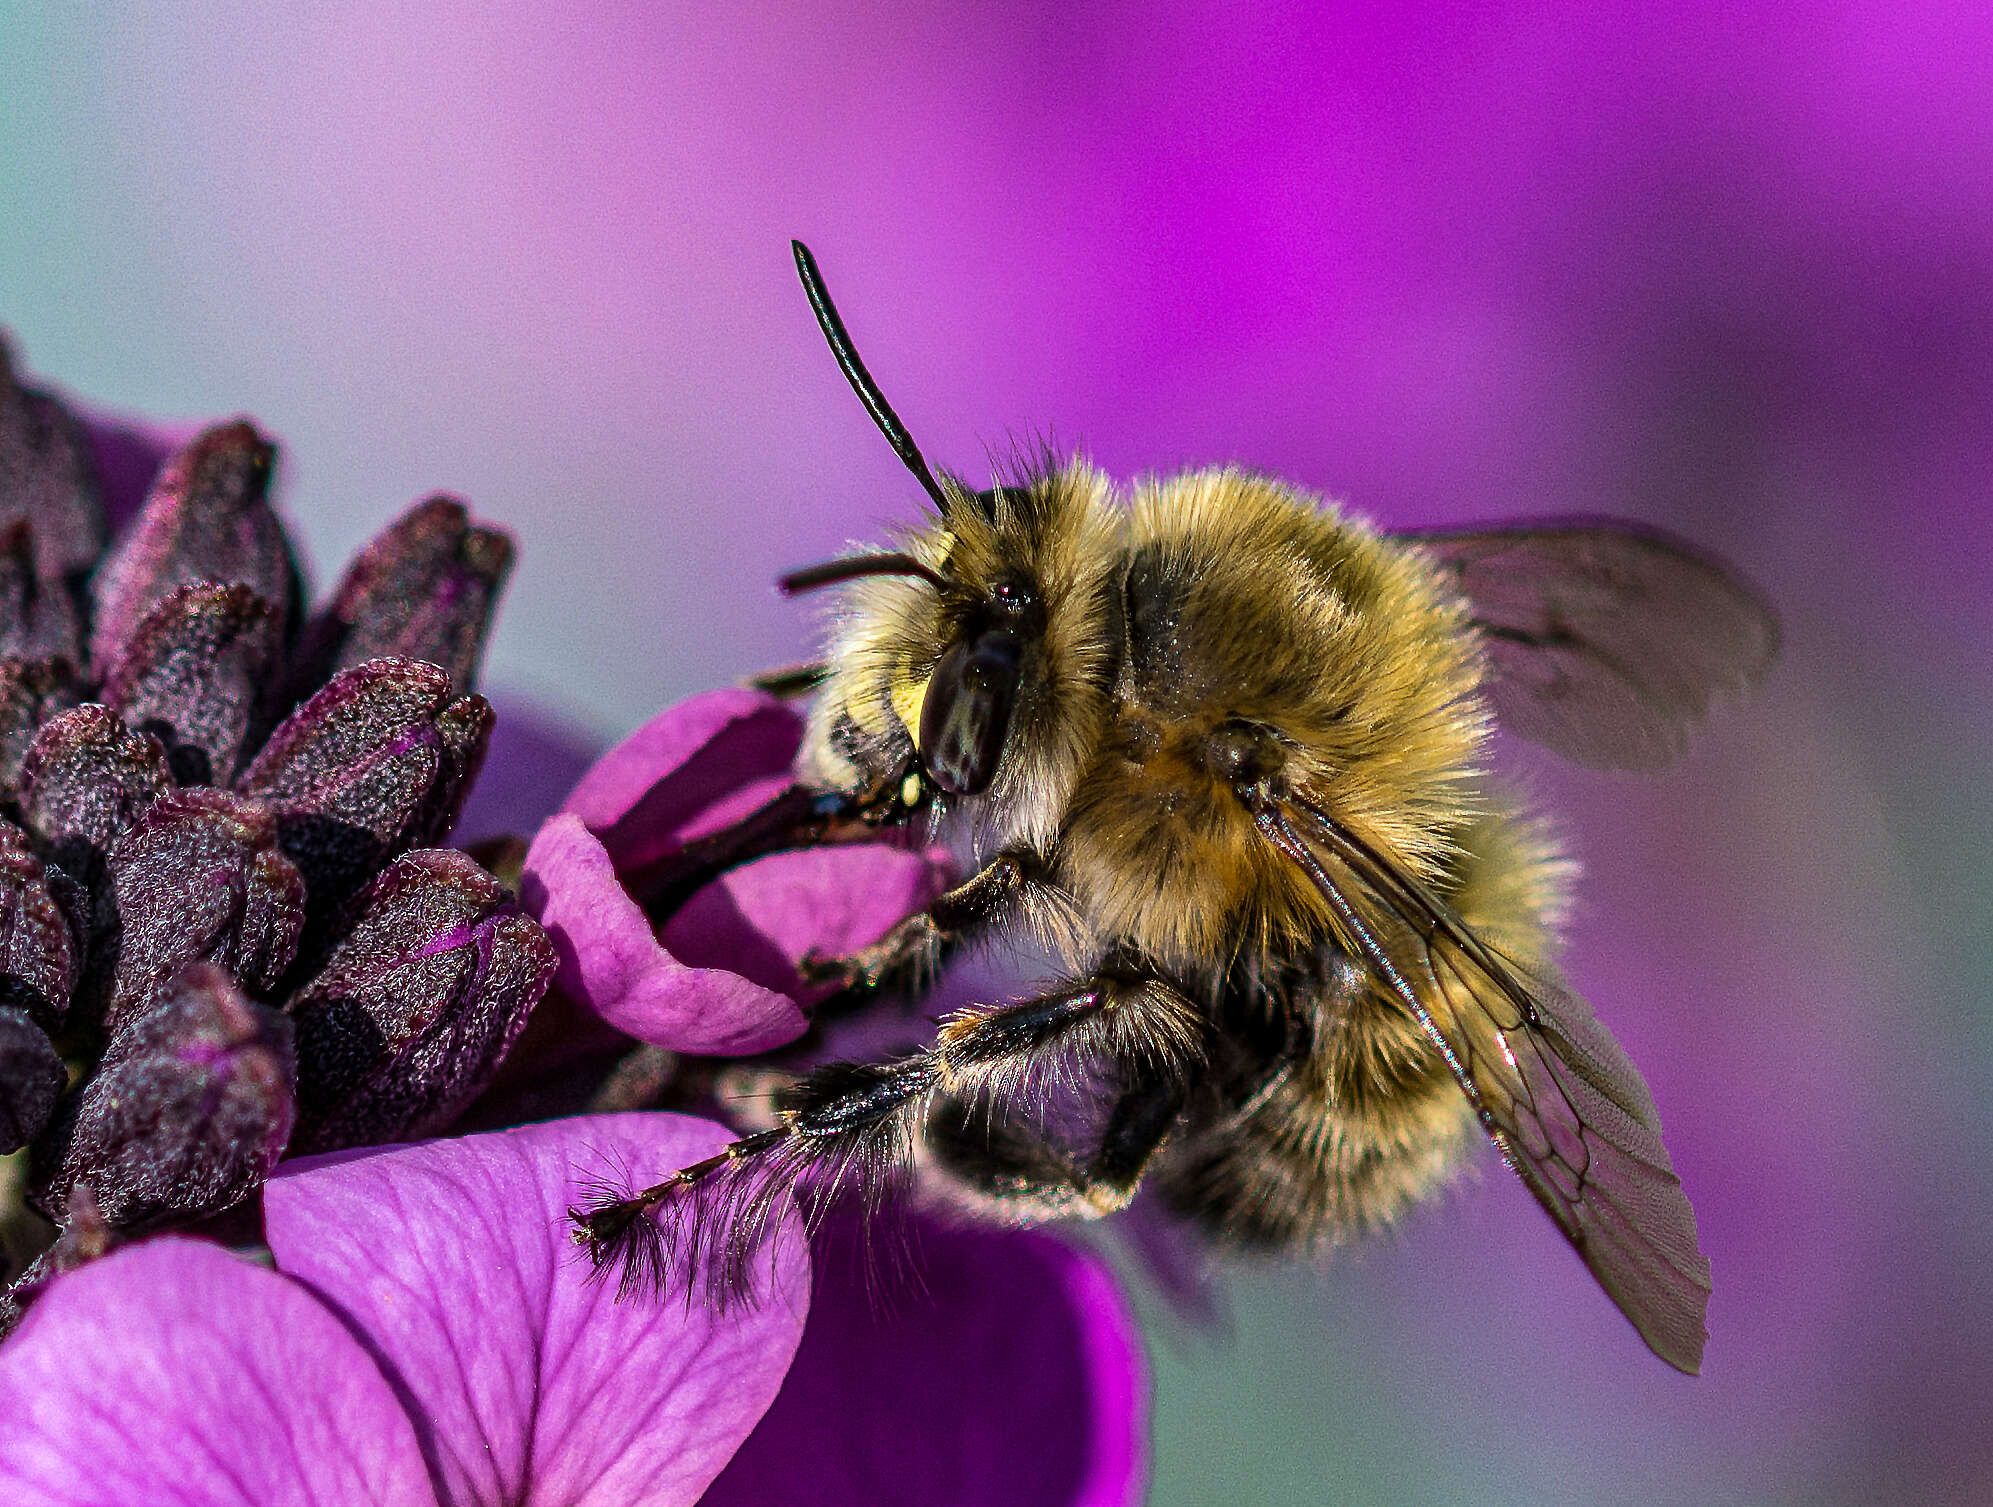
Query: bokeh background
1725	273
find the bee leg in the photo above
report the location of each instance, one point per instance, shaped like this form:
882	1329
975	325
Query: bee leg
1008	1171
856	1120
799	817
920	940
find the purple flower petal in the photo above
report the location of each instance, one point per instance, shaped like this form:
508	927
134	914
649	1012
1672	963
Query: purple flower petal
538	1385
610	958
128	455
690	769
1176	1258
177	1375
1010	1374
764	918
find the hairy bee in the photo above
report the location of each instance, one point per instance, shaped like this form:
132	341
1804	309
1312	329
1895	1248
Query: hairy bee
1220	747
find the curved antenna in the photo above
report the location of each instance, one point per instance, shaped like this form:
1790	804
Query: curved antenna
860	379
851	567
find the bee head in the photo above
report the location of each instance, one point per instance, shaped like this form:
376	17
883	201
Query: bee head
968	698
975	657
997	661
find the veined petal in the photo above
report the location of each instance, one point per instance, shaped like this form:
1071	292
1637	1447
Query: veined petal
177	1375
538	1386
611	960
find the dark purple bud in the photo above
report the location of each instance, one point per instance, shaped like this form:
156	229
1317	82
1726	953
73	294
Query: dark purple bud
84	779
197	675
206	519
38	618
198	877
348	772
31	692
37	949
188	1112
31	1079
47	478
417	1006
423	589
464	729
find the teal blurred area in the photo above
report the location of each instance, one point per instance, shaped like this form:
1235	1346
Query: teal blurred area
1724	273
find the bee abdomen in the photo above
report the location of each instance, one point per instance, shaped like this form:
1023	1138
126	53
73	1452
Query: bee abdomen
1330	1148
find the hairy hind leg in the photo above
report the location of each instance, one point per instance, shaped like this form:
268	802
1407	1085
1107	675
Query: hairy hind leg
1009	1169
857	1121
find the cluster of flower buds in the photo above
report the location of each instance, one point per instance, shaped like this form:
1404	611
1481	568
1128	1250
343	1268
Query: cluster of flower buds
225	929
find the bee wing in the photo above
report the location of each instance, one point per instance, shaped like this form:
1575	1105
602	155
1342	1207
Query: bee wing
1562	1102
1605	641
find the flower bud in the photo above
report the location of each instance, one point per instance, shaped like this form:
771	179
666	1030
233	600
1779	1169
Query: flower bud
416	1007
38	618
464	730
31	692
47	478
31	1079
198	877
84	778
348	771
207	518
196	674
37	948
85	1237
188	1112
423	589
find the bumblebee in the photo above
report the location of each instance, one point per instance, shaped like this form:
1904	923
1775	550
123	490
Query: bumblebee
1219	748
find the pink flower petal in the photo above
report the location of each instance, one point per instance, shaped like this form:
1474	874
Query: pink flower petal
611	960
539	1387
1007	1373
763	918
691	768
176	1375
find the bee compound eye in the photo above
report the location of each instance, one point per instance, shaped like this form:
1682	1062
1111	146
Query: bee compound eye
965	715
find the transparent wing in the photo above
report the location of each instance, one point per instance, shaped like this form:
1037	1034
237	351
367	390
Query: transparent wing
1605	641
1563	1103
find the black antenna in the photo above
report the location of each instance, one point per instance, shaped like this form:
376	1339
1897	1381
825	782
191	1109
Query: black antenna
860	379
851	567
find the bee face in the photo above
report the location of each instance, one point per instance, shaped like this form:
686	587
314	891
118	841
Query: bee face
989	680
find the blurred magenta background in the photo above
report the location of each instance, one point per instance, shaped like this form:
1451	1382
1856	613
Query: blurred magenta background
1729	275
